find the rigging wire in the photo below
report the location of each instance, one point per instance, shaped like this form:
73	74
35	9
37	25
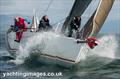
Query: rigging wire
45	11
59	21
48	6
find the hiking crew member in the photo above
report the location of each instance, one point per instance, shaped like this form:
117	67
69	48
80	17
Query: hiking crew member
91	42
44	24
75	25
20	27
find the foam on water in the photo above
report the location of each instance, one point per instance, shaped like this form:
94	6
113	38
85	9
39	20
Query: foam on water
35	44
107	47
103	54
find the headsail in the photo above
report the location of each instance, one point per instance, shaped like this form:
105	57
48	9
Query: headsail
96	21
101	14
77	10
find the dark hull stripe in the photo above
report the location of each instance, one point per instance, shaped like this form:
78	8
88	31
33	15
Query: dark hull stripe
58	57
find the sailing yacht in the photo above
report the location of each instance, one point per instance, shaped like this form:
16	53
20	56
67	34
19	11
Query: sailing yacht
70	53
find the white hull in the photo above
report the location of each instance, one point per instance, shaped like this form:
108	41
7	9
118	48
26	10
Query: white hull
67	54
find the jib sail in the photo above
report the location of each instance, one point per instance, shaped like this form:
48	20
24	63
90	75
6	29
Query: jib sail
94	24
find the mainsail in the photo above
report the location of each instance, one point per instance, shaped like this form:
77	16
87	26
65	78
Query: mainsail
94	24
77	10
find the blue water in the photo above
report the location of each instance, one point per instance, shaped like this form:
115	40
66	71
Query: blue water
103	62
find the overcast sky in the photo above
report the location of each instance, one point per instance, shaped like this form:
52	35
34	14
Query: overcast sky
59	9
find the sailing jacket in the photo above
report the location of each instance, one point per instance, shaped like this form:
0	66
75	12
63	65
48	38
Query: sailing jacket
20	25
75	23
44	24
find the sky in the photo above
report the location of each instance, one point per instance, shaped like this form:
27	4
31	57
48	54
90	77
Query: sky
59	9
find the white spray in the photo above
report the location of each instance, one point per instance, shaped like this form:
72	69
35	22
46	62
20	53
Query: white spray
106	48
35	44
